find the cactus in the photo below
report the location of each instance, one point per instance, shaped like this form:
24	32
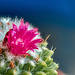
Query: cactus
23	51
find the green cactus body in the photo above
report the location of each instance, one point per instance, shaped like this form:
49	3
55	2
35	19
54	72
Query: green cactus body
40	73
26	73
11	72
39	62
2	66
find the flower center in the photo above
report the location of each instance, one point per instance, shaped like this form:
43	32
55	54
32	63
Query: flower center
19	40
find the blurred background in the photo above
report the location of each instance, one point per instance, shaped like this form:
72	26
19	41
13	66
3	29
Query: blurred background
55	17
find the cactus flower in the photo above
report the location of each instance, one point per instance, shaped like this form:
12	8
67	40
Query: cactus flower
20	40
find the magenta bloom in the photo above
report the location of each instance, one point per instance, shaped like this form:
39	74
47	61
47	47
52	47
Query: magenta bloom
20	40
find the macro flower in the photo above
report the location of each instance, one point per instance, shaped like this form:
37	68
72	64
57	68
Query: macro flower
20	39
